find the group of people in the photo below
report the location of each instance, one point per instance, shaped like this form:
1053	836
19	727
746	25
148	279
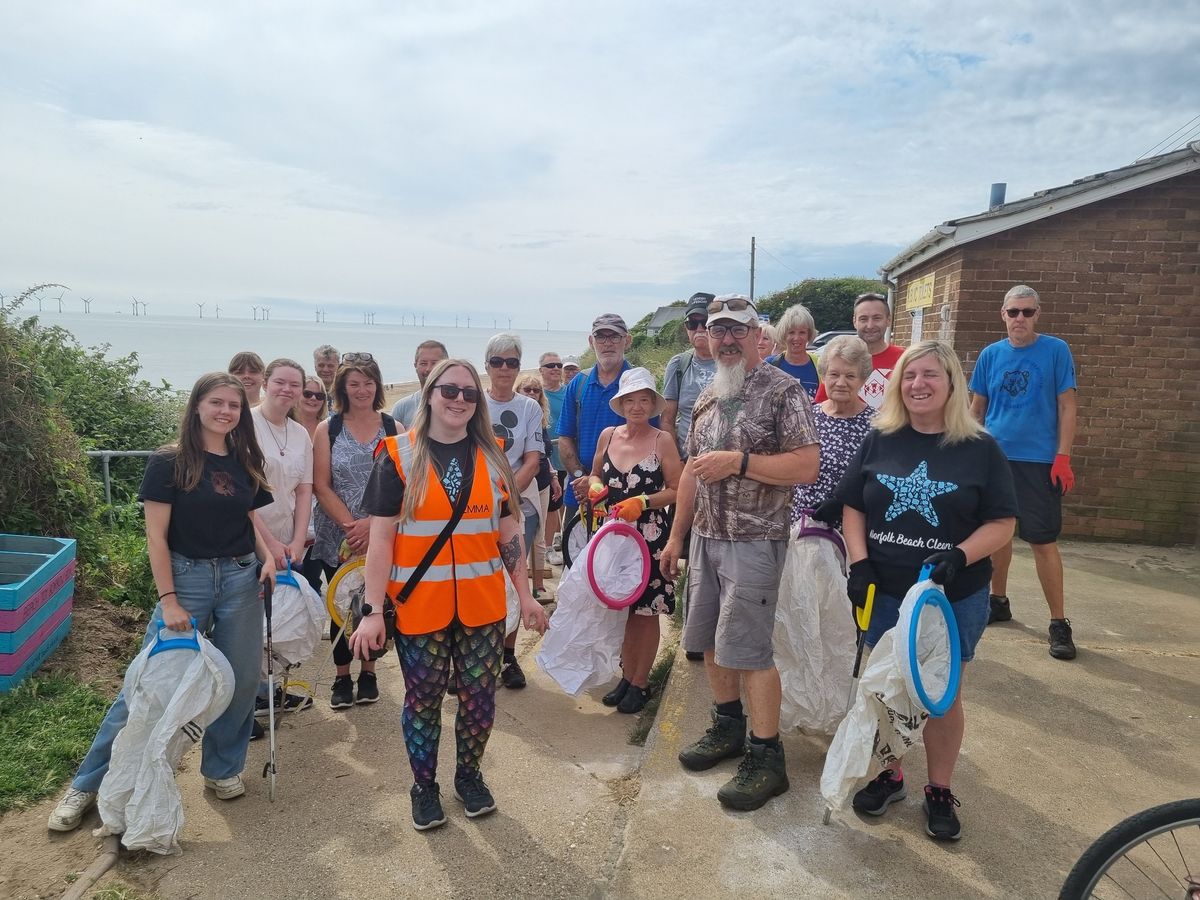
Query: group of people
457	496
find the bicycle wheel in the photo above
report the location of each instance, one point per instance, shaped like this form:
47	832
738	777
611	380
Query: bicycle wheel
1155	853
575	538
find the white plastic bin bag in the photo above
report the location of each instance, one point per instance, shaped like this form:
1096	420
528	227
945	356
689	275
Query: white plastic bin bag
299	622
582	647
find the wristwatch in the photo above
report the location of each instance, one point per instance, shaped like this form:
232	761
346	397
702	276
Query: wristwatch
578	473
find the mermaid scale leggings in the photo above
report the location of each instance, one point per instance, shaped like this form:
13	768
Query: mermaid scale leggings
425	661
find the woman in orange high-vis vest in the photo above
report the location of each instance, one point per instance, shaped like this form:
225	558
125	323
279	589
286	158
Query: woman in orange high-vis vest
457	609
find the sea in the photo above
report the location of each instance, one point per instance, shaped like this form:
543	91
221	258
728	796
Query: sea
178	349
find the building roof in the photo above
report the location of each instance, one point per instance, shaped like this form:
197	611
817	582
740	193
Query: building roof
1043	204
665	314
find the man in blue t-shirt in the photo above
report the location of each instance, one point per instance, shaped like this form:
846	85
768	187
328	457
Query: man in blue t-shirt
1024	394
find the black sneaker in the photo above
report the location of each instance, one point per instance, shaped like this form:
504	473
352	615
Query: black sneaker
880	793
998	608
343	692
257	731
427	806
761	776
725	739
292	703
1061	644
470	788
942	822
617	694
634	700
511	674
368	689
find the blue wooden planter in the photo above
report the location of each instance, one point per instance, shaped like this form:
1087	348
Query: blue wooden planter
37	586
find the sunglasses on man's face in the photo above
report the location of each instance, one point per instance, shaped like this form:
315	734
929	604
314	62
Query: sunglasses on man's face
1027	311
552	365
357	358
695	324
451	391
737	304
499	362
314	395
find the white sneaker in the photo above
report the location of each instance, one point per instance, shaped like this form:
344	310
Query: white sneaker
557	542
554	558
69	812
226	788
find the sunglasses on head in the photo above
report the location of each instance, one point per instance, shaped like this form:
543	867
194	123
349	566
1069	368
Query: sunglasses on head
737	304
499	362
1027	311
314	395
451	391
357	358
695	324
552	365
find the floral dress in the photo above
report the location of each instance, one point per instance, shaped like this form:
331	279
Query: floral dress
646	477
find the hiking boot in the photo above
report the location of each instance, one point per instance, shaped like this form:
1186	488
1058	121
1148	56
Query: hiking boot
617	694
470	788
941	821
427	806
343	692
69	812
761	776
998	608
368	689
725	739
880	793
634	700
256	730
1061	644
226	788
292	703
511	674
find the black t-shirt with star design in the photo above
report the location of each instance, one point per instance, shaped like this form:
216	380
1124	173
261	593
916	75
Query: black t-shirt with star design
921	498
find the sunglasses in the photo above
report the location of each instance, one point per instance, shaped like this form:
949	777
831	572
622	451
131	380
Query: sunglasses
695	324
719	331
552	365
737	304
499	362
357	358
314	395
1027	311
451	392
531	390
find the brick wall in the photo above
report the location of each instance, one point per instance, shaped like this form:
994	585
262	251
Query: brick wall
1120	282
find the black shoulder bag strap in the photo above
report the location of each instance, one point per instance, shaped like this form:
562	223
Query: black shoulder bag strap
460	507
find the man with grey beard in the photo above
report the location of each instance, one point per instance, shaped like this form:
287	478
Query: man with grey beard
752	439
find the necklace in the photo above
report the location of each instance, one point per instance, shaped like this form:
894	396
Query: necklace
271	428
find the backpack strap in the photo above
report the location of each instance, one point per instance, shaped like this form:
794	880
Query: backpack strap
389	425
685	363
336	423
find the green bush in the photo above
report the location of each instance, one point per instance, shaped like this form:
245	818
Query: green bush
830	300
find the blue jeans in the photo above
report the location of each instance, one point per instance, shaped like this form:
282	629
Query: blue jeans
223	596
970	614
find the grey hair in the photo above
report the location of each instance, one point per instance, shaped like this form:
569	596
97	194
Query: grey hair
1021	291
849	348
499	343
545	356
796	316
324	352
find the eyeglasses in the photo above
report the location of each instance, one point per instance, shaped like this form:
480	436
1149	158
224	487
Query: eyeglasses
451	391
357	358
695	324
606	337
1027	311
499	362
719	331
314	395
552	365
737	304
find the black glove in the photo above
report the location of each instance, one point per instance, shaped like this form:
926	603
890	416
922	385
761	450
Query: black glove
862	576
829	512
946	565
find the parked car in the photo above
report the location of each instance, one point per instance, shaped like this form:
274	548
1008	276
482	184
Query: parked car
818	343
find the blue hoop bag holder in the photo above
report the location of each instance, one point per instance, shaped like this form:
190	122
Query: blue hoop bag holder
925	645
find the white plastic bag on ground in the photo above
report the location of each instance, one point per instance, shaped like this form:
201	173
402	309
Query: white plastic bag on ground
172	697
814	632
887	717
582	646
299	622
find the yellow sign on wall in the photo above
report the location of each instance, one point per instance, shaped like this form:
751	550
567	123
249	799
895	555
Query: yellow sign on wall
920	293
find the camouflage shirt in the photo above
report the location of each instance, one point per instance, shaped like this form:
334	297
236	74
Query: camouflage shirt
772	414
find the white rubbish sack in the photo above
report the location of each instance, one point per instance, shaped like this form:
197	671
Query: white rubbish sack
512	605
582	646
172	697
299	622
887	717
814	632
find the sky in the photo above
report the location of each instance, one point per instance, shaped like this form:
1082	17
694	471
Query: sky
547	161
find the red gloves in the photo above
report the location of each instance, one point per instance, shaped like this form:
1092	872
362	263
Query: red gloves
631	510
1061	475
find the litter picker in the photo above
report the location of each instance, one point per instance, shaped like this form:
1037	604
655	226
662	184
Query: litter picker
862	621
269	770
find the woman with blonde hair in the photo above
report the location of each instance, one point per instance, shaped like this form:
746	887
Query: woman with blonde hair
929	486
444	510
313	406
793	331
767	346
547	482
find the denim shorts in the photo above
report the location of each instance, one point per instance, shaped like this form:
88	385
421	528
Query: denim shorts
970	614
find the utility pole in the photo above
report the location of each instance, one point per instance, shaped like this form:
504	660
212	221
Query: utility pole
752	248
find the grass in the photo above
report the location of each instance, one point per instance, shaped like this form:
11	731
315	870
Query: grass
46	727
115	891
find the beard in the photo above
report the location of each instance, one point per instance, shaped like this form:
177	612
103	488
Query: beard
729	380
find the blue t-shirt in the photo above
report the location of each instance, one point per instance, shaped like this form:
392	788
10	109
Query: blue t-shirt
805	374
1021	386
584	415
555	399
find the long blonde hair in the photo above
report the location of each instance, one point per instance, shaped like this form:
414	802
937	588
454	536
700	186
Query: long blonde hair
960	425
479	430
522	382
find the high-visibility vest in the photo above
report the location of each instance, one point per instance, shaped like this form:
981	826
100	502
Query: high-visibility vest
465	577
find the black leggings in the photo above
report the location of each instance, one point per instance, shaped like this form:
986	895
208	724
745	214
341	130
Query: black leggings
313	570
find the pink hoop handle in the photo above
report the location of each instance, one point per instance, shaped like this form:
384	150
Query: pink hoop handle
617	526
